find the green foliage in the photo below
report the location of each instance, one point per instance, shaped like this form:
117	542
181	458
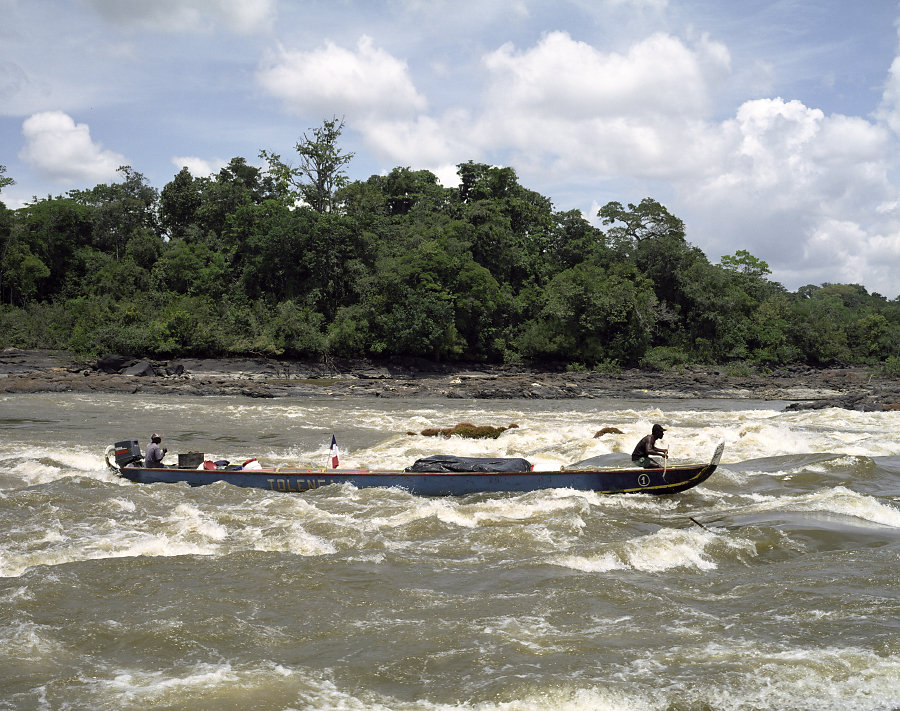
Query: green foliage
36	325
190	268
398	265
95	273
179	203
297	330
23	272
745	263
739	369
51	231
662	358
648	220
592	316
349	334
572	240
890	368
608	367
819	328
119	209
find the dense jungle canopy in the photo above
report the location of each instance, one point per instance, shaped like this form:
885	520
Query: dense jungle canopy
301	262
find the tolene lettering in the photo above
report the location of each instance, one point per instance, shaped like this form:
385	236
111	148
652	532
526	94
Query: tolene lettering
296	484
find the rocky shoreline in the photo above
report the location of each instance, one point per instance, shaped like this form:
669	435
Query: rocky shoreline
803	388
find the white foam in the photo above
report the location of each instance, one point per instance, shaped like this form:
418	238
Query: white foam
122	544
837	500
124	504
665	549
143	687
26	641
191	523
841	500
826	679
34	466
326	696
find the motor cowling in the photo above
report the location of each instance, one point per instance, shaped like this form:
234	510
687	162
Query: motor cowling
127	452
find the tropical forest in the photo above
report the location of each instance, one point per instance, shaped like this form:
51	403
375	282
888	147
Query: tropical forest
294	260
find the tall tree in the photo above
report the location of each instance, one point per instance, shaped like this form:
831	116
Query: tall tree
506	224
179	202
120	209
5	224
320	173
632	226
5	179
53	230
235	185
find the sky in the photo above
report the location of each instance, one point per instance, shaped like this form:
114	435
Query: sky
771	126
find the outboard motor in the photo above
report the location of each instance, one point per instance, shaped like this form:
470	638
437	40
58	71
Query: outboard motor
127	452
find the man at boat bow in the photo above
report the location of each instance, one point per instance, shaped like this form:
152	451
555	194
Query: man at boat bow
647	446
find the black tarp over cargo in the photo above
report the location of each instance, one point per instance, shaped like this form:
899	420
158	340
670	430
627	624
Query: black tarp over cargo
449	463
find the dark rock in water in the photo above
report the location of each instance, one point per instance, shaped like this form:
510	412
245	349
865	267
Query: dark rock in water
374	374
140	369
879	400
468	430
256	391
607	430
113	363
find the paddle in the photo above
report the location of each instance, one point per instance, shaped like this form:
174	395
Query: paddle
700	524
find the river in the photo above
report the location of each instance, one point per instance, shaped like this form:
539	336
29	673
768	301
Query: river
774	585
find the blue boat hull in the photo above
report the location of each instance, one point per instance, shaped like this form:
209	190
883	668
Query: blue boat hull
285	479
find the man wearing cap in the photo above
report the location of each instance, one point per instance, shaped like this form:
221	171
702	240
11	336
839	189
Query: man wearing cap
154	454
647	446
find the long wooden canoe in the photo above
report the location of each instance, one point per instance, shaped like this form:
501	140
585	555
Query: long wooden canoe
670	480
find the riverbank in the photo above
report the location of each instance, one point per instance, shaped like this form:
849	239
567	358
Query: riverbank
24	371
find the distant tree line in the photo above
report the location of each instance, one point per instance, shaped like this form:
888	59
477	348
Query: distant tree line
298	261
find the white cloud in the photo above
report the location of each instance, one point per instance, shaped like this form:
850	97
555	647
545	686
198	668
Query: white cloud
782	155
789	180
366	83
889	111
199	167
850	254
566	78
62	151
423	140
658	5
564	106
241	16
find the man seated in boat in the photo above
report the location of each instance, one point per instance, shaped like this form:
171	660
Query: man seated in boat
154	454
647	446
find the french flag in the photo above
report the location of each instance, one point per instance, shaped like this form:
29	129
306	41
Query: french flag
334	453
